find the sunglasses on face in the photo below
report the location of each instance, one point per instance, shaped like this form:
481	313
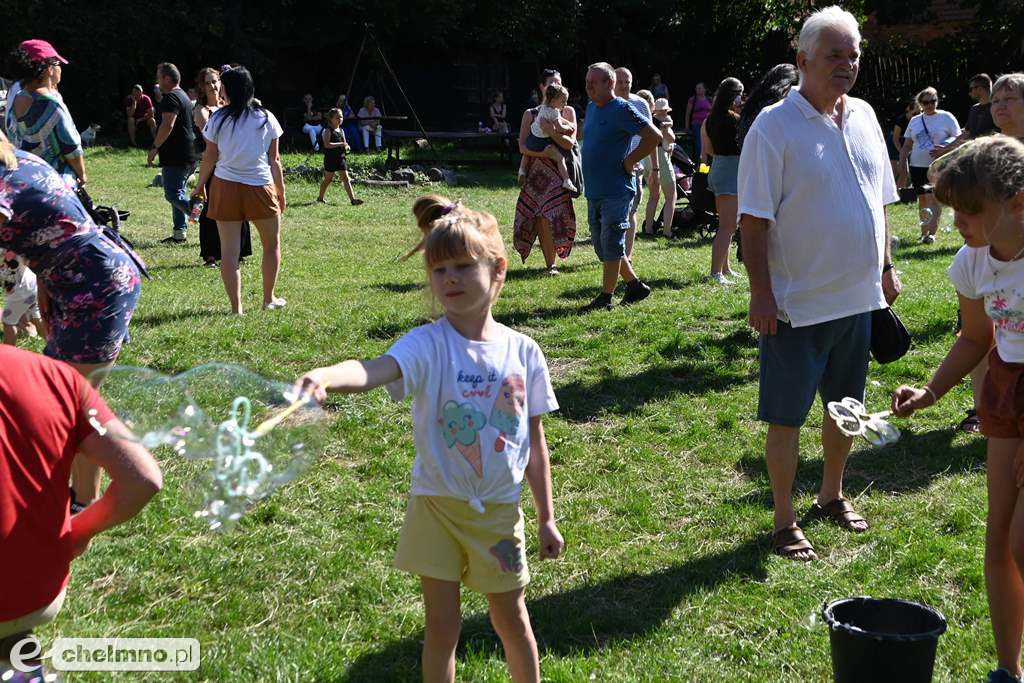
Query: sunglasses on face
928	101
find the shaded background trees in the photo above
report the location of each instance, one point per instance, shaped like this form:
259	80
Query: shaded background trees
450	55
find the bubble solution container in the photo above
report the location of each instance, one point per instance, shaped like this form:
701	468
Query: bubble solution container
882	639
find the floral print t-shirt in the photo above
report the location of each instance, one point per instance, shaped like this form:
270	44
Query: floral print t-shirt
977	275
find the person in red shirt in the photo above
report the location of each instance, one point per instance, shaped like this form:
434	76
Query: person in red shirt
139	109
48	412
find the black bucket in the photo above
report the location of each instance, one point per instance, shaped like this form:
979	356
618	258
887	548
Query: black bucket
876	639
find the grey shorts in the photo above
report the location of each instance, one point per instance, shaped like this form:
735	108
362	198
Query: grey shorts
830	358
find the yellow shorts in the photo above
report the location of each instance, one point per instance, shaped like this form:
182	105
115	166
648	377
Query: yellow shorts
444	538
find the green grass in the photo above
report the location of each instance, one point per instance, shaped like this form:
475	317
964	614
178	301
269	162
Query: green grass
659	478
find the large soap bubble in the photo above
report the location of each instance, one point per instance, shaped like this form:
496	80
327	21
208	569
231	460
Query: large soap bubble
255	432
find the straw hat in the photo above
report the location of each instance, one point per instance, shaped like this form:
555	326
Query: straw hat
661	104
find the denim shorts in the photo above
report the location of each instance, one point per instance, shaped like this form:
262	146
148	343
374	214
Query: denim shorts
638	181
724	177
830	358
609	221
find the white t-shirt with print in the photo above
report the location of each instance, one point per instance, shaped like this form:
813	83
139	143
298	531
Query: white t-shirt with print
242	145
645	111
977	275
941	126
472	401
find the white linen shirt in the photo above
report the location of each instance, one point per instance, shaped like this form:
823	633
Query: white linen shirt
823	190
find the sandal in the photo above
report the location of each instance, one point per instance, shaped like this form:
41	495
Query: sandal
970	424
841	512
789	541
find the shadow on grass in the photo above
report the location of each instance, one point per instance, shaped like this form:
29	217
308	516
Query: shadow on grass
933	331
909	465
589	618
540	272
399	287
582	401
927	254
155	320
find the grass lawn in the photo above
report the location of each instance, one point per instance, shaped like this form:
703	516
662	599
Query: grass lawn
659	477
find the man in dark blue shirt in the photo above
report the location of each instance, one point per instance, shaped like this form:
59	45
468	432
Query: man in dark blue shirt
608	180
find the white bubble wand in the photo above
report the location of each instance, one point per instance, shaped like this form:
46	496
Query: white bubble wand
853	419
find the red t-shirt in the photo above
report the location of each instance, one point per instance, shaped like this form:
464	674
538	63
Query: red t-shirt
143	108
44	407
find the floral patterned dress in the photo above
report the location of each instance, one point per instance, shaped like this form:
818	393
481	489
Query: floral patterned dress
93	277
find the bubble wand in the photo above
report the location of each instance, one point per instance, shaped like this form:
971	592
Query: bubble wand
853	419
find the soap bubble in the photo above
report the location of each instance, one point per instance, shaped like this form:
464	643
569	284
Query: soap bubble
251	433
894	241
926	216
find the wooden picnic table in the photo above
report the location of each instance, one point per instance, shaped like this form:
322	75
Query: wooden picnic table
394	140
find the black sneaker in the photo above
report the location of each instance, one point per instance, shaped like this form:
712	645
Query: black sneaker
635	291
1001	676
173	240
602	301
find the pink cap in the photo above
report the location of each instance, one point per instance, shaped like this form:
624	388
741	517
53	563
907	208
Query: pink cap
38	50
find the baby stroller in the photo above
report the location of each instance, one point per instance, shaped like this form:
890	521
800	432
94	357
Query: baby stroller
103	216
695	203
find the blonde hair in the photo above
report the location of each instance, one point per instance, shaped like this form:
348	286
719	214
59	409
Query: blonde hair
983	171
451	230
1012	82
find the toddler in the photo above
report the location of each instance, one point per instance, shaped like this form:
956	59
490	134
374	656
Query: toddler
555	97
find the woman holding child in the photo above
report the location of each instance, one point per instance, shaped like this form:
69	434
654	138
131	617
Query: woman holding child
544	210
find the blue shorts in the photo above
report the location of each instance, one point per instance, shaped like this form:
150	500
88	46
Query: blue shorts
537	144
724	176
638	180
830	358
609	221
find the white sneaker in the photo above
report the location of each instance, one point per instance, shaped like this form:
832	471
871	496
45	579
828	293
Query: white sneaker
720	279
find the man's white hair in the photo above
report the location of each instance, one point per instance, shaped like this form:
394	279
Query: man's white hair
834	18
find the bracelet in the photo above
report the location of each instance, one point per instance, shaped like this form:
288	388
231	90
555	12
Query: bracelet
931	392
887	267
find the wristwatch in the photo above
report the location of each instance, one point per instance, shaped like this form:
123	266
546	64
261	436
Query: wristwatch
887	267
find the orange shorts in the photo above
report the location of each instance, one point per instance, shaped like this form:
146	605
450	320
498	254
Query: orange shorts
231	201
1001	411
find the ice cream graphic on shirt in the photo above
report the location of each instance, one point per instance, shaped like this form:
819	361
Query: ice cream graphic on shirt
461	427
509	557
508	409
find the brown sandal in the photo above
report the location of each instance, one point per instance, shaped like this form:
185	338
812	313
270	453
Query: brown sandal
842	513
789	541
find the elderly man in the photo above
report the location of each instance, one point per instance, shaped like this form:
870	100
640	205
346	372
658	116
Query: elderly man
814	180
175	143
609	182
624	89
40	432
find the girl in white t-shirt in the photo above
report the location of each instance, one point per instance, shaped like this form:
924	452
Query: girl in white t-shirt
984	183
243	158
479	390
923	140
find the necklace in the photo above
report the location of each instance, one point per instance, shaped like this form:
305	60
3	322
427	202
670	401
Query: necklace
996	271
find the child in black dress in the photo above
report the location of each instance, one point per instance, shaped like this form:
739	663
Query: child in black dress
332	141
